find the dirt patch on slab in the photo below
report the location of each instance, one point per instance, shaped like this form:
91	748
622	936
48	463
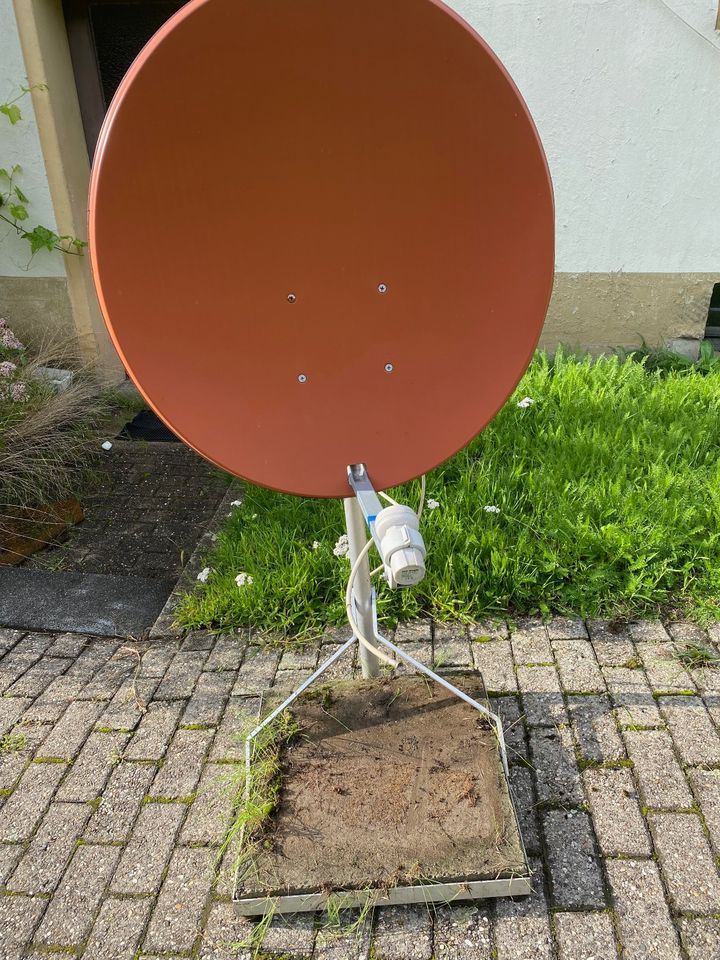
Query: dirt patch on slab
392	781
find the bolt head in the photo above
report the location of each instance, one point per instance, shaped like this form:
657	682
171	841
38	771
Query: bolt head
302	378
291	298
382	288
388	368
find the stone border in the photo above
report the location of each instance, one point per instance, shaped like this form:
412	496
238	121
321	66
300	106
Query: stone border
165	623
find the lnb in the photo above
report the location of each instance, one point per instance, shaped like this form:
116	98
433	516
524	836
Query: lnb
401	545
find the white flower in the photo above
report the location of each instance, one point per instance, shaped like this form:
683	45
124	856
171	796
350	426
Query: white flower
203	575
432	504
491	509
236	503
342	547
107	445
525	402
316	545
243	580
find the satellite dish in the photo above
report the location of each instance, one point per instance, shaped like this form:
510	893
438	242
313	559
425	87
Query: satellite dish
321	234
322	239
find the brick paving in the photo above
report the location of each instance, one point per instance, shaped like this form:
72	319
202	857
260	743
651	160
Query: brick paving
112	817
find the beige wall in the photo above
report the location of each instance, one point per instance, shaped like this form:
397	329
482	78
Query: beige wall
605	310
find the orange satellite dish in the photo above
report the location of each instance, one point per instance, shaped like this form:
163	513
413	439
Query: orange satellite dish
321	234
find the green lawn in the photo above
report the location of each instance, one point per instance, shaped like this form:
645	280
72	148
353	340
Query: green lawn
608	490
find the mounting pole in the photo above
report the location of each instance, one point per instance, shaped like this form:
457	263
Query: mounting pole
357	532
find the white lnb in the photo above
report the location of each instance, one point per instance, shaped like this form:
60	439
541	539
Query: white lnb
401	545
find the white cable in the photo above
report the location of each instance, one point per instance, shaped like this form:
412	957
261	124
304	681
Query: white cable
348	608
388	498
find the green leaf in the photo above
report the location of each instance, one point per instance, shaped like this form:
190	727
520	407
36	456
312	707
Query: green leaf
16	169
40	238
18	211
4	173
11	111
20	195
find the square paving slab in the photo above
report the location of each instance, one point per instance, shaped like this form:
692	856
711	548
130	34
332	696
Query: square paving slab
393	791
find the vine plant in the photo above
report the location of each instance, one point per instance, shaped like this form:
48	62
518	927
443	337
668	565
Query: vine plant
14	201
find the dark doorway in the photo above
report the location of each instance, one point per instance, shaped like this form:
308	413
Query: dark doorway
105	37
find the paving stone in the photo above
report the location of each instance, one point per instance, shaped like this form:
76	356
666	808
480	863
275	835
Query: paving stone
67	645
181	676
585	936
706	784
616	814
462	932
513	725
129	705
197	640
299	658
209	698
684	632
70	913
556	772
289	680
403	933
18	918
12	765
290	936
494	661
488	630
344	667
224	928
686	862
632	696
8	639
700	937
27	804
530	643
90	772
595	730
37	678
692	730
575	874
649	631
120	803
658	773
208	819
154	732
608	629
422	652
226	654
71	731
117	930
522	925
614	652
578	668
414	631
664	671
10	854
144	859
11	709
333	944
108	680
451	645
567	628
239	714
158	658
646	929
257	671
175	921
180	773
523	792
542	697
46	857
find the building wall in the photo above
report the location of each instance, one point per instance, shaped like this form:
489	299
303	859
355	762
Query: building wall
624	94
625	97
33	292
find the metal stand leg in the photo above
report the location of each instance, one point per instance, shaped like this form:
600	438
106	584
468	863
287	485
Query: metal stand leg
357	538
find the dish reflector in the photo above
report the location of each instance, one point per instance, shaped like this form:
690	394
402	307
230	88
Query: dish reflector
321	234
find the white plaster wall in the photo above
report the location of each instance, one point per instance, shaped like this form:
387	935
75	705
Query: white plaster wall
626	97
21	144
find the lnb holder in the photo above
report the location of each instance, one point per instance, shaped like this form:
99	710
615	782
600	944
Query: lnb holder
395	530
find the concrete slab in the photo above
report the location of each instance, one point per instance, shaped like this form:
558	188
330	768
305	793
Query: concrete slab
98	604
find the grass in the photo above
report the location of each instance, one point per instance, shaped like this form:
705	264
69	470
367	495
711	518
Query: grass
608	489
697	655
12	743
